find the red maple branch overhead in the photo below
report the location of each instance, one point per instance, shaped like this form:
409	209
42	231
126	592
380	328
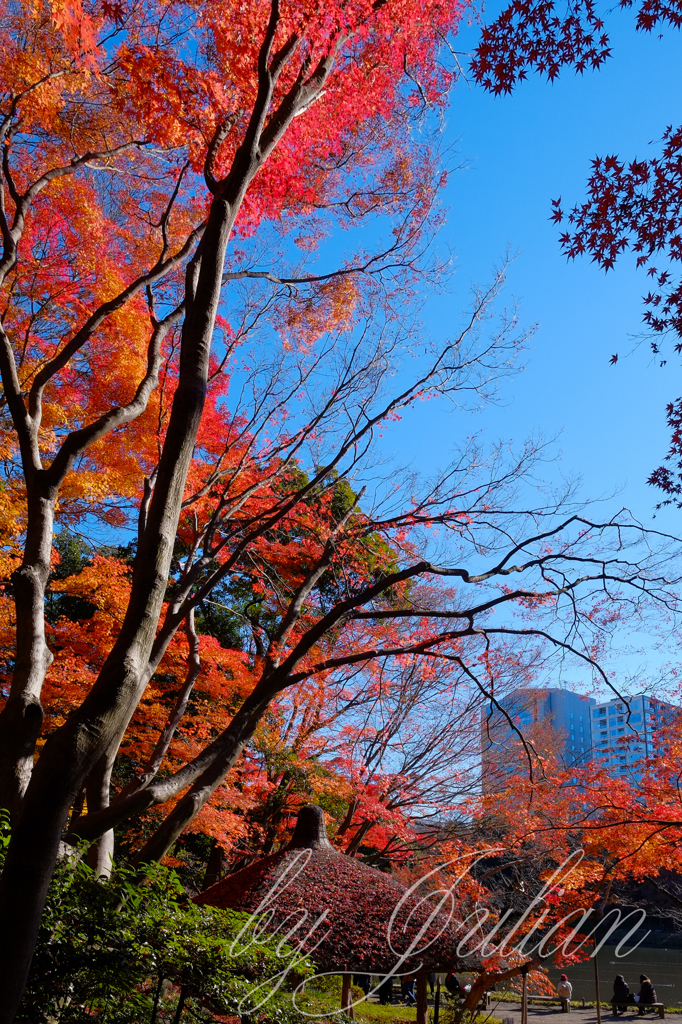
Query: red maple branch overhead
544	37
633	206
637	207
144	149
174	365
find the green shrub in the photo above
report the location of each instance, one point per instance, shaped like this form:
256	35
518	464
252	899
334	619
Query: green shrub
132	950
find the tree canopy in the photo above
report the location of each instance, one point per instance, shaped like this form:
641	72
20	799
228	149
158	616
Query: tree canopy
215	601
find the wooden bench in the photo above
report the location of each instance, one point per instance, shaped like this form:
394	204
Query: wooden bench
549	1001
658	1007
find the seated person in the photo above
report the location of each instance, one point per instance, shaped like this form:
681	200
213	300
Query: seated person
646	994
564	991
621	995
452	985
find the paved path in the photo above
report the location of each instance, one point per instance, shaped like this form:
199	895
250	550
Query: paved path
555	1015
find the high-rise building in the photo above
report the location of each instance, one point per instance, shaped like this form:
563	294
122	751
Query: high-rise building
548	717
575	727
619	742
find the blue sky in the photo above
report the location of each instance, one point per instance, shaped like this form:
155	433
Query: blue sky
520	152
517	153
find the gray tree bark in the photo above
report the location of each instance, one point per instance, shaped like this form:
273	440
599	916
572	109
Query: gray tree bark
42	796
96	727
22	716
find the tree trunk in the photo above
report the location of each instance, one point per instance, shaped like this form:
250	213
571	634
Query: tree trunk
97	787
214	867
524	997
355	843
346	995
180	1007
348	820
422	998
233	741
22	717
486	980
95	729
151	769
204	770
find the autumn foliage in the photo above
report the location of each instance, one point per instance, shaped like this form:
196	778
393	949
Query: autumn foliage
632	204
214	607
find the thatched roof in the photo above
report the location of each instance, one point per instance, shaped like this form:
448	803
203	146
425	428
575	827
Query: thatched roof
309	875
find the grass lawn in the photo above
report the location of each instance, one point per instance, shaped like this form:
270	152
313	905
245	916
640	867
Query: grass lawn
322	1001
375	1012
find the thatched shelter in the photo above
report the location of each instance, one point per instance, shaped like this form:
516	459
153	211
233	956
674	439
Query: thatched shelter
369	919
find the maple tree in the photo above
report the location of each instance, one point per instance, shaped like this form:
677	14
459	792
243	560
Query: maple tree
152	162
133	140
543	37
605	834
372	754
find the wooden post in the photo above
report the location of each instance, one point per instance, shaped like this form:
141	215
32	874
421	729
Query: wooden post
346	998
596	981
436	1003
422	999
600	917
524	996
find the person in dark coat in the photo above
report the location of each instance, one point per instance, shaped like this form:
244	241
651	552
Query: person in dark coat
452	985
386	991
431	978
646	995
621	995
363	981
